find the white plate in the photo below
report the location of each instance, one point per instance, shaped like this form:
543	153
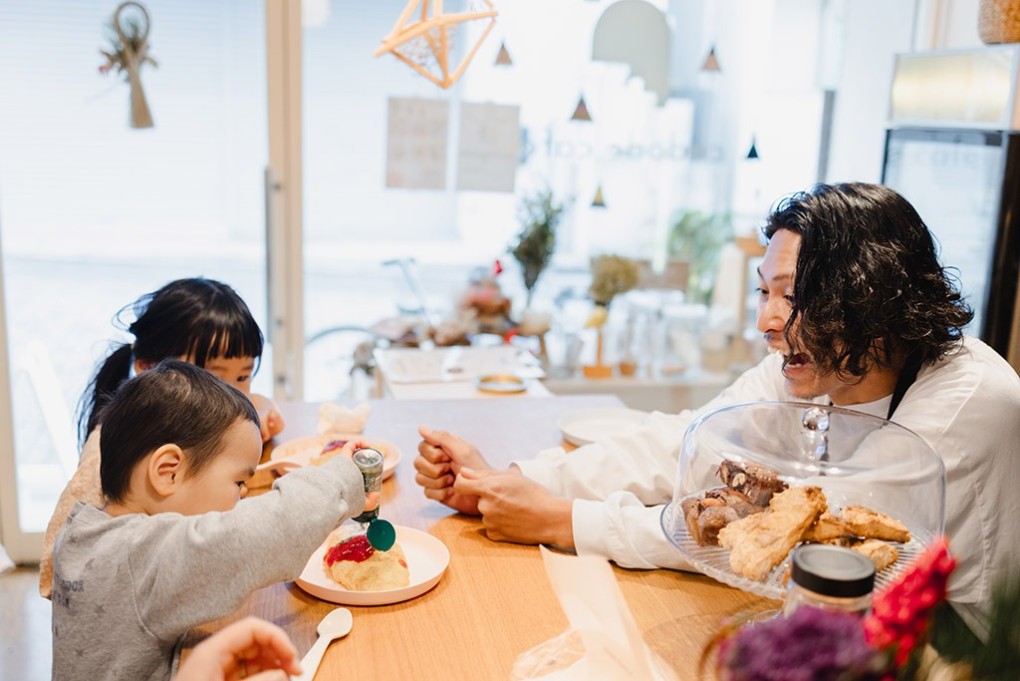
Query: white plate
501	383
303	449
427	558
588	425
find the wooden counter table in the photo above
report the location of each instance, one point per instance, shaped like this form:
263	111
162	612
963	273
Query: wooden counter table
494	602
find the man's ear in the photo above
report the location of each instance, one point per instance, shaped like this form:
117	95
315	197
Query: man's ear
142	365
166	469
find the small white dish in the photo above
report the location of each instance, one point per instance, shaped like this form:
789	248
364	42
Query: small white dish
589	425
427	559
301	450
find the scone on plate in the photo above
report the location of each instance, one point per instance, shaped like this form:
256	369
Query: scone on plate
761	541
881	554
353	564
826	529
864	522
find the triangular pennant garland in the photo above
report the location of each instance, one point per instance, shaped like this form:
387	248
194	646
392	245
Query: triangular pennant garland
581	111
503	57
752	153
711	61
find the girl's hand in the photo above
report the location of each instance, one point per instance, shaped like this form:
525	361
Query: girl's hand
250	648
270	418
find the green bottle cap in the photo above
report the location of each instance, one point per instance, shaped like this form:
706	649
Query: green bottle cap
381	535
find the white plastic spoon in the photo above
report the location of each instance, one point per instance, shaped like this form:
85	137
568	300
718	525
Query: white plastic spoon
336	624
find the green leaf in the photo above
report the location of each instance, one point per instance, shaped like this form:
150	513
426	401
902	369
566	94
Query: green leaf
699	238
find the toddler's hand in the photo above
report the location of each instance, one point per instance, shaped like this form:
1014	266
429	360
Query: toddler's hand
371	498
354	445
372	501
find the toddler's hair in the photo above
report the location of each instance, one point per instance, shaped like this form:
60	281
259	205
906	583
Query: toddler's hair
173	403
197	318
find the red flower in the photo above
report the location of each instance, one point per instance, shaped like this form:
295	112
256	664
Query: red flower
497	268
901	613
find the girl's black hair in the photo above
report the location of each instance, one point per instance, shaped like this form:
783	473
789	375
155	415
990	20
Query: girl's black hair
173	403
869	289
196	318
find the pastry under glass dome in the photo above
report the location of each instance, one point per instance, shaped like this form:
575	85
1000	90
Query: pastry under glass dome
855	458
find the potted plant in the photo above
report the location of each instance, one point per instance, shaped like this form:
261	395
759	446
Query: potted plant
611	275
536	242
699	238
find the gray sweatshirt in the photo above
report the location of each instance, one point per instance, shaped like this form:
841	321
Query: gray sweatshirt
127	589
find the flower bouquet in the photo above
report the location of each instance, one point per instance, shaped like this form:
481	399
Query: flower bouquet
818	645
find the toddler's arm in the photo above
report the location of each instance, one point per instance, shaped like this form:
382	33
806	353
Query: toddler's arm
188	570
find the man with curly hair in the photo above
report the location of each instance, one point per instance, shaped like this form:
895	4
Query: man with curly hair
859	313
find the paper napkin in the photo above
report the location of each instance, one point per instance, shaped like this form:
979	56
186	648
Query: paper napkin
334	418
603	641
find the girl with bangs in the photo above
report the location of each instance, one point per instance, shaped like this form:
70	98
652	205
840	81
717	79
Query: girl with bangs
197	320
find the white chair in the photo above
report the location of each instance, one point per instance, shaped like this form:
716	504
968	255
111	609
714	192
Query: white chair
36	363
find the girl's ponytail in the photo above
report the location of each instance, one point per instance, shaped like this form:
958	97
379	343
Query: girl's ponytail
112	372
192	319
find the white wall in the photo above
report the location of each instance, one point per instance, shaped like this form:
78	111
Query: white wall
806	47
957	27
874	31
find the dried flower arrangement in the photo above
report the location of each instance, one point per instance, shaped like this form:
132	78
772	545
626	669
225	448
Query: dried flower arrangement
611	275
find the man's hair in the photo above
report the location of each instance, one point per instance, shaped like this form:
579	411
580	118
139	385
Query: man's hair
173	403
868	288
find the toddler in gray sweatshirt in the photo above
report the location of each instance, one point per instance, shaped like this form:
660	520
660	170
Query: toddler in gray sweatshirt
173	548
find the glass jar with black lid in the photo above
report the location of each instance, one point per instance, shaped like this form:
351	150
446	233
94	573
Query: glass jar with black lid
831	578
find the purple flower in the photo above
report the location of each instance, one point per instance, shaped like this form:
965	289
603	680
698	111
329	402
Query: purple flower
810	645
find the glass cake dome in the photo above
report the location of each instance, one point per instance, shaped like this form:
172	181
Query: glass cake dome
757	479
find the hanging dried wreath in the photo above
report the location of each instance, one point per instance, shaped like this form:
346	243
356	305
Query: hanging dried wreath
129	50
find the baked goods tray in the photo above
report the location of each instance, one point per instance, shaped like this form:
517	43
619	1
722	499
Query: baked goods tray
714	561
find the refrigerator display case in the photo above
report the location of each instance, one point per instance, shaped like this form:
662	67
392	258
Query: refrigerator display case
952	148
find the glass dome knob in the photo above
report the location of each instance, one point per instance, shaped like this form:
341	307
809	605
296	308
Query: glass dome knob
815	433
815	419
